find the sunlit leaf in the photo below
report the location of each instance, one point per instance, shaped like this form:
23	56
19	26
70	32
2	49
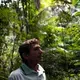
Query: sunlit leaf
74	2
77	14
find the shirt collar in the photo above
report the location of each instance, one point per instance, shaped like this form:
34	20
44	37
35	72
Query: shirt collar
26	70
40	70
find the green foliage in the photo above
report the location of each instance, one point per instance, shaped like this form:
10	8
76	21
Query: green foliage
57	29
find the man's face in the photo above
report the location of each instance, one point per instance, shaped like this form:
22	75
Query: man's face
35	53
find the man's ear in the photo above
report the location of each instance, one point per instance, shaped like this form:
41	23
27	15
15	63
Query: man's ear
25	56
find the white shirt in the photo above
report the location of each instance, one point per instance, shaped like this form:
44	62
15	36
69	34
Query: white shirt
25	73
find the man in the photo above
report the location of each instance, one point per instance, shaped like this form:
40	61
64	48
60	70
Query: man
30	69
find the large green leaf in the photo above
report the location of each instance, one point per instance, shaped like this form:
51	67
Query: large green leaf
74	2
77	14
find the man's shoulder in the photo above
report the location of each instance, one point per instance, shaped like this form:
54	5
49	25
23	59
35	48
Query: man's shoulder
15	75
16	72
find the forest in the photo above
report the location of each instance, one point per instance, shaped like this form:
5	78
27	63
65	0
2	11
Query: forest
56	23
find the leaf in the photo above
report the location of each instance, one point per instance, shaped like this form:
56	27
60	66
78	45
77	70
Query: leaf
77	63
76	14
74	2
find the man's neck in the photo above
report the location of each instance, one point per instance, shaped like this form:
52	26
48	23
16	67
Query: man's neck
32	66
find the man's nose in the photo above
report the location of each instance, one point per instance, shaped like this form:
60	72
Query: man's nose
41	51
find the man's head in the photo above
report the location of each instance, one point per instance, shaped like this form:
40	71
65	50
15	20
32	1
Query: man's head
30	50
